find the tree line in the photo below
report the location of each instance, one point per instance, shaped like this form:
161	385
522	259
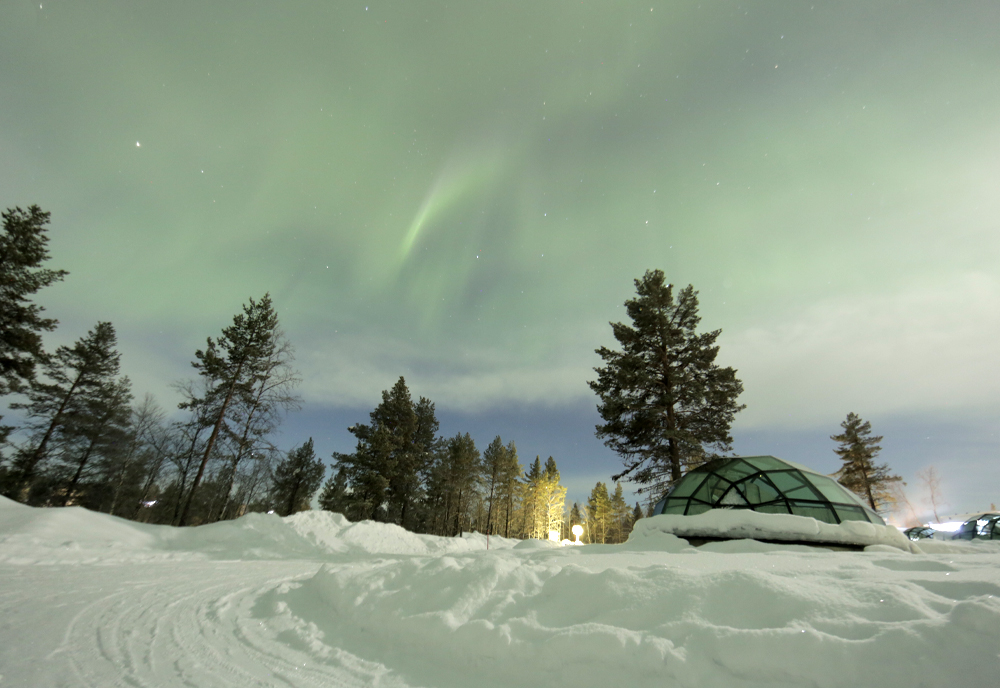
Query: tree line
666	407
85	440
606	517
402	472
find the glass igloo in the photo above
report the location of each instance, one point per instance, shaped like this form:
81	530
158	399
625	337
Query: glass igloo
766	484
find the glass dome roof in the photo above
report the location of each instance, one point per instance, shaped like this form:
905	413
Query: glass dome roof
766	484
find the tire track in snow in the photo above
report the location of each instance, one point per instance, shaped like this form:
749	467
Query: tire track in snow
204	624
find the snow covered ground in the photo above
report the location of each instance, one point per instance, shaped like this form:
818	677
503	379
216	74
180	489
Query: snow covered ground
313	600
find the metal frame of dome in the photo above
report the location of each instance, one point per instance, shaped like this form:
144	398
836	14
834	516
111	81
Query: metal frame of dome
766	484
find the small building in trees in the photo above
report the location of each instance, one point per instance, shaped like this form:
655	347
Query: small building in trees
765	484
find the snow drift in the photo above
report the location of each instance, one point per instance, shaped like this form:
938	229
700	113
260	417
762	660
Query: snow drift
744	523
314	600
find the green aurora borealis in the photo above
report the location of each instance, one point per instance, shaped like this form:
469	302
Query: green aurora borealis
462	193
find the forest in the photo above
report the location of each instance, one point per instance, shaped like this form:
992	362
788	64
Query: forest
84	439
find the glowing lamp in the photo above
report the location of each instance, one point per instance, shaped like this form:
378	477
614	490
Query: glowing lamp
577	532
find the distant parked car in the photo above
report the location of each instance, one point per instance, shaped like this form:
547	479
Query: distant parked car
919	533
984	527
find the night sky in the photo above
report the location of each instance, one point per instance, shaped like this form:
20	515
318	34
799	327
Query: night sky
463	193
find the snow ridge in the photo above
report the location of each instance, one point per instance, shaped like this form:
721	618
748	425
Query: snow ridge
315	600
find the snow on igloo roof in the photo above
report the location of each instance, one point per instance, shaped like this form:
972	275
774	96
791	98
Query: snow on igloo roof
765	484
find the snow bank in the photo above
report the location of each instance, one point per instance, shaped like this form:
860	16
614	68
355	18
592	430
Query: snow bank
744	523
335	534
35	535
314	600
603	615
30	535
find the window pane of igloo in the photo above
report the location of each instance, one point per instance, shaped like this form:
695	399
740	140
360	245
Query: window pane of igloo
856	498
675	506
712	489
785	481
805	492
767	463
851	513
736	470
687	485
820	512
830	489
758	490
732	498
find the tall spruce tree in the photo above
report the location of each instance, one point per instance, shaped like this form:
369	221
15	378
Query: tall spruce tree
394	453
621	525
599	514
455	483
334	496
97	435
859	472
507	485
296	479
23	250
230	367
665	403
259	413
494	462
529	489
60	406
552	500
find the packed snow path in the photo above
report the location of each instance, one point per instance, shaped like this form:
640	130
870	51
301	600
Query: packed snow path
312	600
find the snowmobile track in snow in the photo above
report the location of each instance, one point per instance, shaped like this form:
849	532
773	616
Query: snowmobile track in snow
152	632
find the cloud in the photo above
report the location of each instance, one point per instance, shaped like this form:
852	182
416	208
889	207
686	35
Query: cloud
352	372
927	348
931	347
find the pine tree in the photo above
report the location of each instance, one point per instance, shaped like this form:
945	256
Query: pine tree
260	413
423	448
665	403
859	473
230	367
59	407
636	514
394	454
599	514
494	460
455	482
529	489
620	513
552	499
23	249
507	487
100	431
296	479
334	495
